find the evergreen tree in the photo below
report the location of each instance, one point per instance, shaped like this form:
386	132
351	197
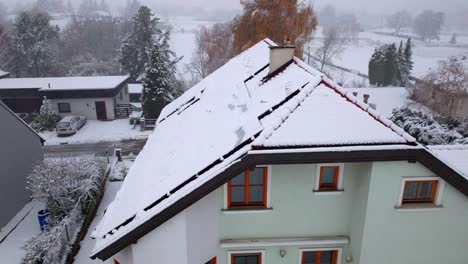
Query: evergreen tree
409	56
391	65
159	78
403	71
136	47
47	117
34	45
453	40
376	67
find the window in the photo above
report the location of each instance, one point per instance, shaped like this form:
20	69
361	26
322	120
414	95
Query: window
64	108
419	192
248	189
320	257
246	258
329	178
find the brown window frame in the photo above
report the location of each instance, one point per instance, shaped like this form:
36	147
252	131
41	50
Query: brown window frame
319	254
211	261
417	200
336	179
258	254
246	185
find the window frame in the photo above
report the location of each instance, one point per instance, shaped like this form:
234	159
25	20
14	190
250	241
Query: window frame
212	261
265	197
60	110
232	254
338	178
337	253
436	195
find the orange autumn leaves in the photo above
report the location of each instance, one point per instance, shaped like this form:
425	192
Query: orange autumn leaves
278	20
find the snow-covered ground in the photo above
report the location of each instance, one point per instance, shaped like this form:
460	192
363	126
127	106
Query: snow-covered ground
18	231
426	55
385	98
96	131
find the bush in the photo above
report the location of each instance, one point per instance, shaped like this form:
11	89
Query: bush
425	128
47	118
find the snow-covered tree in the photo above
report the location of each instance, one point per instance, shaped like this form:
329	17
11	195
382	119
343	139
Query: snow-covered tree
159	77
425	128
331	46
35	45
399	20
65	183
428	25
409	55
88	7
136	47
377	67
47	117
404	65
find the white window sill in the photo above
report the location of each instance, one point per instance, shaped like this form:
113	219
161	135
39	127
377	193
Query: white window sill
337	192
246	210
418	207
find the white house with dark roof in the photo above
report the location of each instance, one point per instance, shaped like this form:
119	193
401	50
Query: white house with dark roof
96	97
268	161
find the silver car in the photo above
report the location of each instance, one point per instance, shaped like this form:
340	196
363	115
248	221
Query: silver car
70	125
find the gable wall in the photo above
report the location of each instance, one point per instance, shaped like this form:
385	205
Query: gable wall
20	148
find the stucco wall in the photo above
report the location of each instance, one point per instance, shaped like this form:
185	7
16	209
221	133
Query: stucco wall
418	237
86	107
20	149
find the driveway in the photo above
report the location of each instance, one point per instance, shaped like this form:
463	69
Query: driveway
98	149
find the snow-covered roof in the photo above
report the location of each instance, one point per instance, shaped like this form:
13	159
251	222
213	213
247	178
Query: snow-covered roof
64	83
232	111
455	156
385	99
135	88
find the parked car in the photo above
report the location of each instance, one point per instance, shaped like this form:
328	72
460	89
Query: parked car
135	117
70	125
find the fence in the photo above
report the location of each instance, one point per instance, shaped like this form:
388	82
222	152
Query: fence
125	110
147	123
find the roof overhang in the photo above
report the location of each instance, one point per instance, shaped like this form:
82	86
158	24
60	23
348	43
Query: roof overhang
298	156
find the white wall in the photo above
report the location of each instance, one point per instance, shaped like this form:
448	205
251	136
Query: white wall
191	237
86	107
125	96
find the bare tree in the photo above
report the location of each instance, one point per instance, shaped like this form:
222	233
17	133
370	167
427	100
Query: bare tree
442	88
428	24
399	20
332	45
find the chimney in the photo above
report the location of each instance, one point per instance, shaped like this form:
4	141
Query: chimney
355	93
366	98
280	55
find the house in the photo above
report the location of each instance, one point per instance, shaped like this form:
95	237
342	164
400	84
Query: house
4	74
95	97
136	91
268	161
21	148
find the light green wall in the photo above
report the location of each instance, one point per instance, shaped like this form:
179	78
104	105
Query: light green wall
365	212
297	210
417	237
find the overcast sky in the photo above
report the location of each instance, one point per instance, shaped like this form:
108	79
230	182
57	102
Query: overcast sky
371	6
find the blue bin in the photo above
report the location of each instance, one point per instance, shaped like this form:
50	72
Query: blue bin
42	216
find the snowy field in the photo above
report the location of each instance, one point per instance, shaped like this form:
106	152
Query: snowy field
426	55
18	231
96	131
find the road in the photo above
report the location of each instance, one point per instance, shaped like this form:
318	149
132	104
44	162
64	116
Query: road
97	149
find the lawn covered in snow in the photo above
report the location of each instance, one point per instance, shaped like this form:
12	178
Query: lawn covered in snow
97	131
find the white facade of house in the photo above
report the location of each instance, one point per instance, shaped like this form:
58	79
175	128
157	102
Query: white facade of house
87	106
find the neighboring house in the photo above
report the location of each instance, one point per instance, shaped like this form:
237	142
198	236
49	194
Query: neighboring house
21	147
95	97
444	101
136	91
268	161
4	74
